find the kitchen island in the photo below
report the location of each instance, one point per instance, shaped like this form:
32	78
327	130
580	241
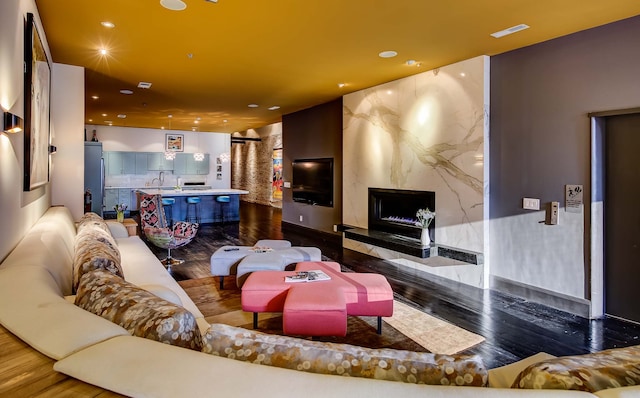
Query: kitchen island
210	211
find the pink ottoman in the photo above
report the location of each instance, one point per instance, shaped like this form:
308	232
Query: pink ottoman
314	309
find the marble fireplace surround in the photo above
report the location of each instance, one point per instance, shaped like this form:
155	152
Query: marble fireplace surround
427	132
392	217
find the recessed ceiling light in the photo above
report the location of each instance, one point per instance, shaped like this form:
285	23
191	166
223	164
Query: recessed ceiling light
122	116
411	62
103	51
91	120
388	54
126	92
340	85
196	121
225	120
107	24
169	116
211	1
104	115
95	97
252	105
173	5
273	108
462	74
510	30
144	85
109	122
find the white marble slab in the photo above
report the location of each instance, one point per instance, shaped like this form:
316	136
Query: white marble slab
425	132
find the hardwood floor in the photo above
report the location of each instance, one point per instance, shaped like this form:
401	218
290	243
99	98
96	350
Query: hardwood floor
513	328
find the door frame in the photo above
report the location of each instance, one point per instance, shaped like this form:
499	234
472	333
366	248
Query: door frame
596	244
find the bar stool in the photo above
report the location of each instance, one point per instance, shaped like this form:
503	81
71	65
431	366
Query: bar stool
222	200
193	206
167	204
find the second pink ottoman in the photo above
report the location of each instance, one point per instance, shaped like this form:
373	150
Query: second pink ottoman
314	309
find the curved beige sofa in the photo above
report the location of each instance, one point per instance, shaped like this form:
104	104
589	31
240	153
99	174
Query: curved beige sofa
35	282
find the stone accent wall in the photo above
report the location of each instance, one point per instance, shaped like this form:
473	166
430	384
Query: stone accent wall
252	163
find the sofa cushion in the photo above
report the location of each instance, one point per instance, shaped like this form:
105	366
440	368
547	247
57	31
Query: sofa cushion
92	220
33	308
343	359
95	249
503	376
141	313
591	372
138	367
164	293
142	267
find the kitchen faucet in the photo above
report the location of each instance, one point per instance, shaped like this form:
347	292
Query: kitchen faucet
160	179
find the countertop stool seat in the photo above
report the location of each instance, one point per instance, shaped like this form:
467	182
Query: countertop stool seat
168	203
193	209
222	199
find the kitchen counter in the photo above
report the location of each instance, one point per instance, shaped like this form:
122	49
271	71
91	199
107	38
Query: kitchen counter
209	210
192	191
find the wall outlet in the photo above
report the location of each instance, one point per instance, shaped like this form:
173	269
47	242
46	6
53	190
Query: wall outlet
300	217
287	184
530	204
553	211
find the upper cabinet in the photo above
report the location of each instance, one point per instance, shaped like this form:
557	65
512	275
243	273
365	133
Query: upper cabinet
120	162
185	164
157	161
116	162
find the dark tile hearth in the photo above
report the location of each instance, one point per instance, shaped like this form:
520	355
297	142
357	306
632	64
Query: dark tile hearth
513	328
411	246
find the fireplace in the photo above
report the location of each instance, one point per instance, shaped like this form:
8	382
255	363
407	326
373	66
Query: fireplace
394	211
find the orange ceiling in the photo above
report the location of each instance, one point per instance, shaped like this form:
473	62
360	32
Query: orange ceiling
211	60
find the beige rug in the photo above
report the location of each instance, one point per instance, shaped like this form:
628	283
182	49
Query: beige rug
407	329
435	335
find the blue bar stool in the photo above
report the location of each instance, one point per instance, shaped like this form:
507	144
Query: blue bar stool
193	209
222	200
167	204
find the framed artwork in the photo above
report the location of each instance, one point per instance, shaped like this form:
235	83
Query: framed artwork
37	89
276	189
174	142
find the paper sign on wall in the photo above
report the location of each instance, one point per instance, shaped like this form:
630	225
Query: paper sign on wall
573	198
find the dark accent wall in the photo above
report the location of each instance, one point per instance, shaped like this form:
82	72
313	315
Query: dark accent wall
313	133
540	141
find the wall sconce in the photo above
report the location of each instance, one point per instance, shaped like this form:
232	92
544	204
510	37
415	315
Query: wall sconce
12	123
52	149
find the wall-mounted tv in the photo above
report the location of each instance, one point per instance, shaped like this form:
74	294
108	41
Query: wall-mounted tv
312	181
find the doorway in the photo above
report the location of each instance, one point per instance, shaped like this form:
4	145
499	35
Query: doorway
621	166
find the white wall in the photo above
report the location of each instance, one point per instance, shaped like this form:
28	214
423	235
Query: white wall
20	210
115	138
67	134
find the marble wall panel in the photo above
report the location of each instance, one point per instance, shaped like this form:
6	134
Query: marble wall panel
424	132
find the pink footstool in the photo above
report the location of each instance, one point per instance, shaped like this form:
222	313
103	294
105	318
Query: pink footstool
318	308
312	309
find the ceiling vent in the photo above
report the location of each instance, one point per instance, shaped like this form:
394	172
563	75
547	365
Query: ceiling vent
510	30
144	85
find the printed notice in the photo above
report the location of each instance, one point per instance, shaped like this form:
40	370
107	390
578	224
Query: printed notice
573	198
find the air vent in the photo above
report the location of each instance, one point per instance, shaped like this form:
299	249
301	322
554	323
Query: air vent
144	85
510	30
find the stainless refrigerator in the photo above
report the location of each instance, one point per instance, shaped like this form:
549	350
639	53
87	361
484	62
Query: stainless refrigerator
94	174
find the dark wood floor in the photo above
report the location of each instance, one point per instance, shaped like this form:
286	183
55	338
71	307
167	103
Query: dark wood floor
513	328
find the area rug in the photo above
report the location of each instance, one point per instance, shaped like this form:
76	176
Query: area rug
408	328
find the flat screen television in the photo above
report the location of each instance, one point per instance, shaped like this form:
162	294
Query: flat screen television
312	181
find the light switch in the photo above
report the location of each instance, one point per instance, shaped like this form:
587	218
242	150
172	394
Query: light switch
530	204
287	184
553	210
